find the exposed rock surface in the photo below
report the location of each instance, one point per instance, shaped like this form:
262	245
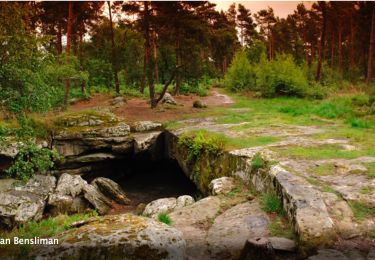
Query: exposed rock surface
65	198
143	126
25	203
328	254
169	99
230	230
118	102
118	237
222	185
97	199
166	205
111	189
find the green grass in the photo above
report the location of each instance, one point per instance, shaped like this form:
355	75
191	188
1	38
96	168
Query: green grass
366	190
322	152
370	170
279	227
324	169
361	211
233	192
45	228
270	203
257	162
164	218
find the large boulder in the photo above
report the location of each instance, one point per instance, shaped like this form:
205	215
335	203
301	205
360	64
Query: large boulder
166	205
111	189
199	104
67	197
222	185
25	203
97	199
117	237
230	230
168	99
143	126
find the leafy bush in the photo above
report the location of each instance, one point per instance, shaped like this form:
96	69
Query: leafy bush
31	159
100	72
164	218
281	77
199	142
241	74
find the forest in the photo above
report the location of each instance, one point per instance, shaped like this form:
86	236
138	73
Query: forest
221	134
55	51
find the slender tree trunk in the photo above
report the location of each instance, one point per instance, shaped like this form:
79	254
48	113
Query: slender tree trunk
305	47
321	46
83	83
155	53
339	44
59	39
68	47
332	48
114	66
178	64
371	46
148	56
351	39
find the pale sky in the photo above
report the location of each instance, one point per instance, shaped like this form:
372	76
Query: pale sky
280	8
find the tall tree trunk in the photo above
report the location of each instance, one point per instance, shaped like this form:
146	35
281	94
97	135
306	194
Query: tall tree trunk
83	83
371	46
148	56
305	48
178	64
351	39
322	43
59	39
68	47
339	44
114	65
155	53
332	48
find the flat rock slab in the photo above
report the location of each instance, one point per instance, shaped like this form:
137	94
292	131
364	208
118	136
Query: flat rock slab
117	237
192	221
228	234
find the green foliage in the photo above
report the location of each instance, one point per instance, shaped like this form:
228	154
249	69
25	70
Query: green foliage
100	72
270	203
164	218
31	159
281	77
241	74
257	162
198	142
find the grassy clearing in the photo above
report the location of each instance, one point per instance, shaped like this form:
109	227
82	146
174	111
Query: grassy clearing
324	169
322	152
164	218
198	140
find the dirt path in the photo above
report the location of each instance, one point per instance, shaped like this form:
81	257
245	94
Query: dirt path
138	109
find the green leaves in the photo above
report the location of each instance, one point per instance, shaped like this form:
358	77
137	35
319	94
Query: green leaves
31	159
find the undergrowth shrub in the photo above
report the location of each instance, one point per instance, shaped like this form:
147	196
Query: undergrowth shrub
241	74
31	159
281	77
198	142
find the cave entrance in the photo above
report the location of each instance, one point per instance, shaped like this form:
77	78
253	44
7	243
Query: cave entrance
145	180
